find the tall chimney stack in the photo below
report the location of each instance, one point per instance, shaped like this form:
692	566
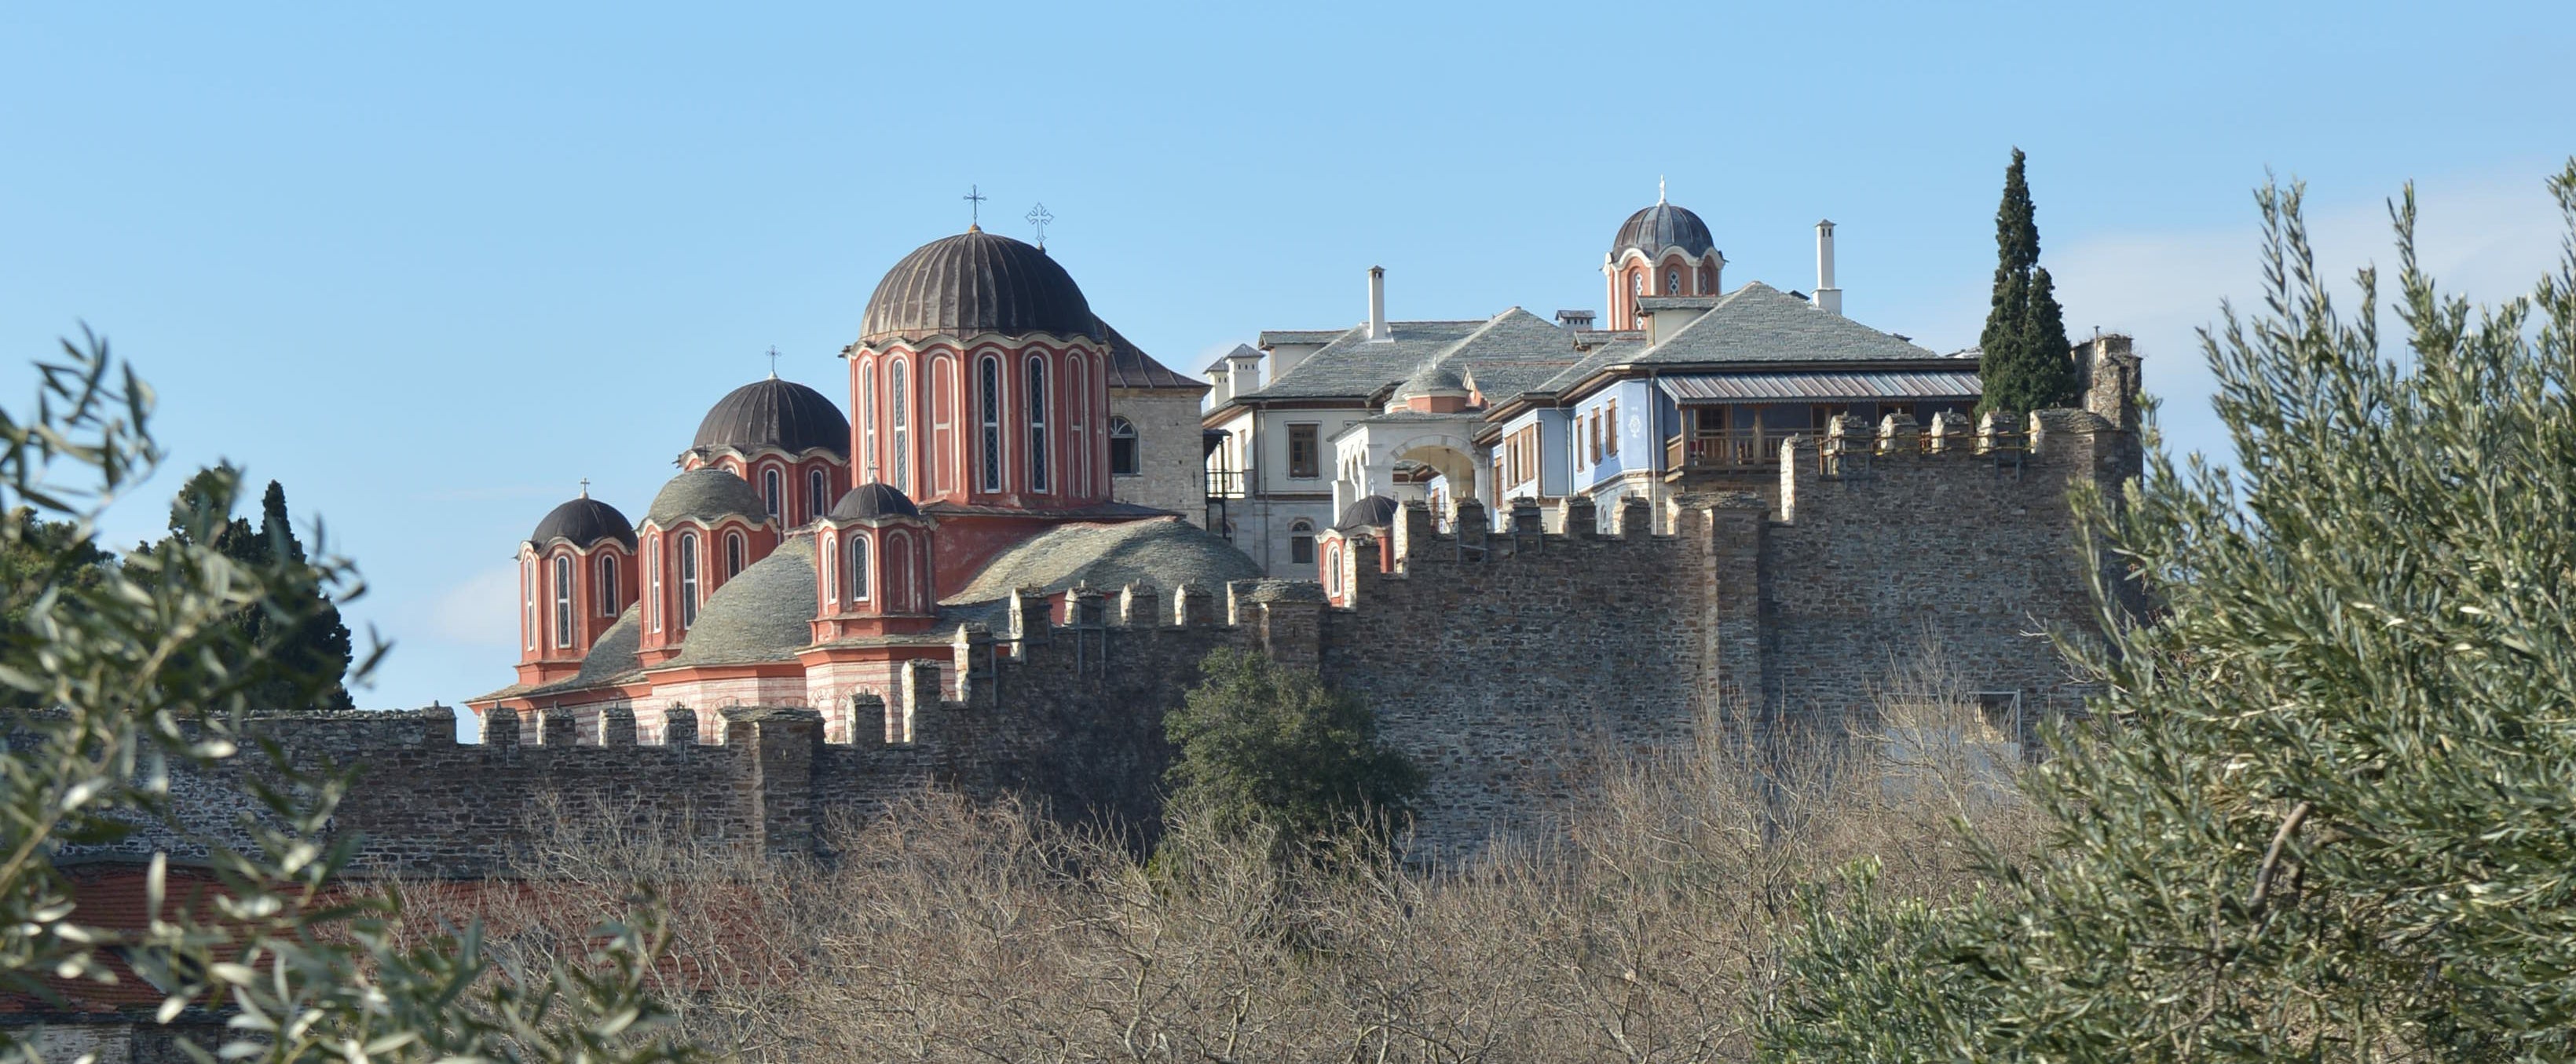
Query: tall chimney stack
1377	305
1828	298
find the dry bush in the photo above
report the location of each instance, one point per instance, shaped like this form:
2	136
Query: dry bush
1642	926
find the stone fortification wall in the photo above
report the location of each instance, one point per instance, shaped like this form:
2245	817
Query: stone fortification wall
1502	662
1508	663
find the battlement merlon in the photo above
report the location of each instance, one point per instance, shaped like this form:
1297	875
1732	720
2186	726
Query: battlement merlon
2055	445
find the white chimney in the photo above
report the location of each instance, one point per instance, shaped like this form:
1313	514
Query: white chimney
1377	305
1828	298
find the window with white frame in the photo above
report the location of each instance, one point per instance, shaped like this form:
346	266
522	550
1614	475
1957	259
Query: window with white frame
868	423
989	404
770	493
528	603
1301	541
653	582
856	567
899	419
1035	404
1124	461
604	585
816	486
688	580
734	552
563	600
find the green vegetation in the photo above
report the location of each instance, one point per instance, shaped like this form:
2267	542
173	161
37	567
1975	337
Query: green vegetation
2332	816
1269	746
2025	365
158	660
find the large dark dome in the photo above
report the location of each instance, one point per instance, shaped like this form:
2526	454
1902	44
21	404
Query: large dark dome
775	413
976	282
1661	226
583	522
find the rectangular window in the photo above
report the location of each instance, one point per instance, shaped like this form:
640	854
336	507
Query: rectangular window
1592	428
1610	414
1302	453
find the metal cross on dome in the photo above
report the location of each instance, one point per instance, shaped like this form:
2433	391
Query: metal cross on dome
975	198
773	362
1040	217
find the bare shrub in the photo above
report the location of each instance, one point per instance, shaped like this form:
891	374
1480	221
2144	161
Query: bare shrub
1644	925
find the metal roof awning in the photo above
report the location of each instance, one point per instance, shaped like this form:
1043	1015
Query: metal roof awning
1819	387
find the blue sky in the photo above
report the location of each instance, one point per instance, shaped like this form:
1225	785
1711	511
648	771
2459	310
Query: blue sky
431	265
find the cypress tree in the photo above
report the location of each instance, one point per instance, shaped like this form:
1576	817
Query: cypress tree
2025	365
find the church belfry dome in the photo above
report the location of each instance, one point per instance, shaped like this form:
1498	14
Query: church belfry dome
583	522
1661	226
977	282
774	413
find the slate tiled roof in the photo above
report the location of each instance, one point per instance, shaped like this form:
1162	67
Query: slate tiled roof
1352	367
1274	337
1759	323
762	614
611	661
706	494
1166	552
1131	367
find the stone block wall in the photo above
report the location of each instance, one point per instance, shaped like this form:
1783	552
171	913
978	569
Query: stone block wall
1171	474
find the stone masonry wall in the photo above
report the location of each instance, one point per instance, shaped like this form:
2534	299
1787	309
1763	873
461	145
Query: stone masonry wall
1171	473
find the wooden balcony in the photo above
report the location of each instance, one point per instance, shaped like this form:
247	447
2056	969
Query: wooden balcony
1751	449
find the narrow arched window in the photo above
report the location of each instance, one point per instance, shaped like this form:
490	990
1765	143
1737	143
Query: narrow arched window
1123	459
770	495
857	566
733	554
942	383
1077	442
1035	404
1301	542
816	486
688	580
1707	280
528	603
1672	282
1333	569
989	404
1636	282
868	422
899	418
898	591
605	585
563	600
653	582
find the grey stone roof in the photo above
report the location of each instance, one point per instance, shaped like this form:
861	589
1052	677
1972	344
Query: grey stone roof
977	282
1274	337
762	614
1165	552
708	494
1432	379
611	661
1759	323
1514	342
1131	367
1367	511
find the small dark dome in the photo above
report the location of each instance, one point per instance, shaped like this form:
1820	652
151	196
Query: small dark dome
1370	511
775	413
584	521
976	282
873	500
1661	226
707	494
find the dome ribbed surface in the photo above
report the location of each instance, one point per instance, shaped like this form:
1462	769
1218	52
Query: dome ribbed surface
707	495
775	413
1368	511
1661	226
874	500
584	521
976	282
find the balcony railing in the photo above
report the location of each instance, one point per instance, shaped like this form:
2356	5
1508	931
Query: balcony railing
1747	449
1228	483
